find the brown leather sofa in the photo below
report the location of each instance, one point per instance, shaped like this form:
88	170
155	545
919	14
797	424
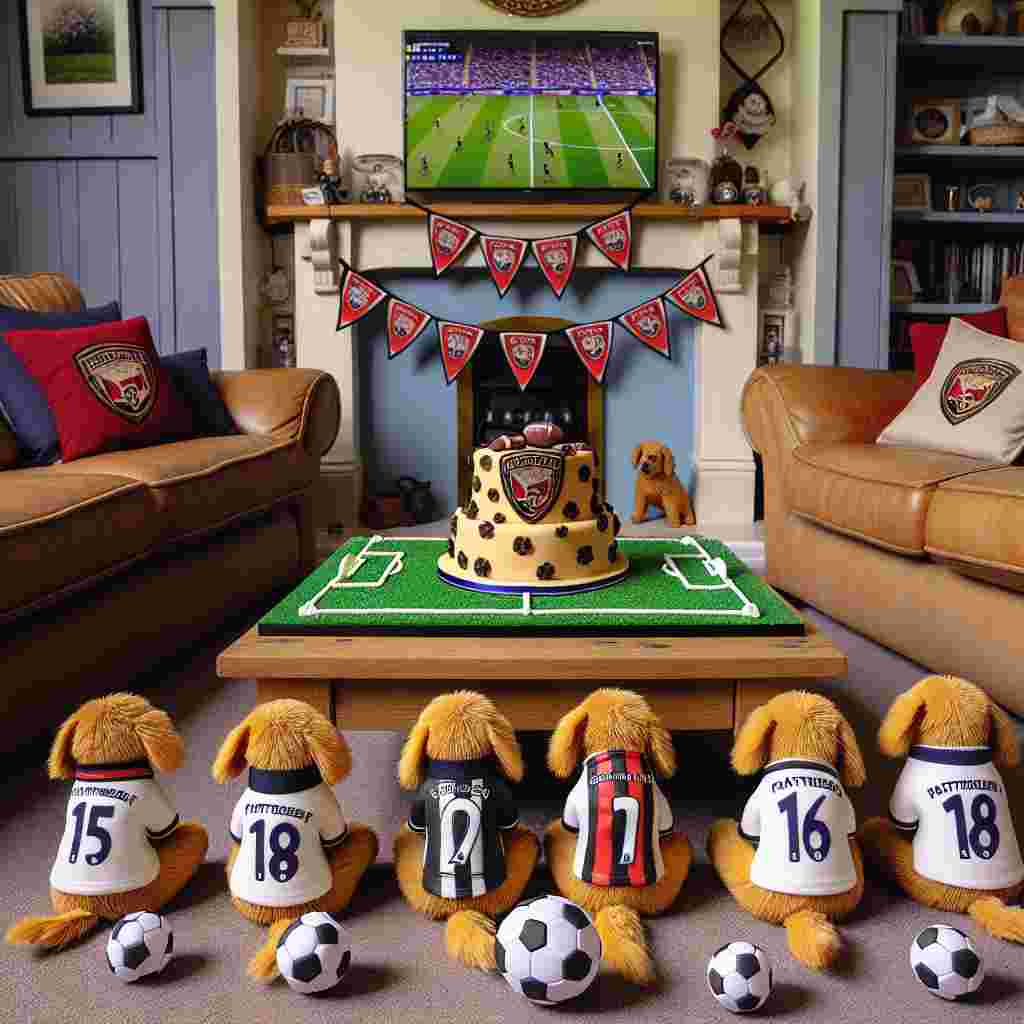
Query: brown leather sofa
114	562
921	551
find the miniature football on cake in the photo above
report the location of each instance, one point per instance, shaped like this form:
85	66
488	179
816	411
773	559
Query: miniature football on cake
543	435
945	961
140	944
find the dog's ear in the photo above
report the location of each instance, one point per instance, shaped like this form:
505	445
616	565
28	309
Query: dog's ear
659	745
638	454
668	460
899	728
750	751
328	749
164	746
566	744
410	764
61	764
851	761
505	745
230	758
1002	737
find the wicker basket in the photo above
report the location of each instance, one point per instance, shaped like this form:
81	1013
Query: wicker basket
285	172
997	135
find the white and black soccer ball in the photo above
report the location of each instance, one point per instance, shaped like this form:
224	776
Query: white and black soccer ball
141	943
740	976
548	950
314	954
946	962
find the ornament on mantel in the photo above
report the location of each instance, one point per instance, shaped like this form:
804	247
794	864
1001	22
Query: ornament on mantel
726	176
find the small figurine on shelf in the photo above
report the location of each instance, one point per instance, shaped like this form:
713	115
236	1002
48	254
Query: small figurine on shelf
754	193
330	179
726	173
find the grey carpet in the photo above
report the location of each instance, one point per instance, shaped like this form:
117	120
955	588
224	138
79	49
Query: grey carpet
400	972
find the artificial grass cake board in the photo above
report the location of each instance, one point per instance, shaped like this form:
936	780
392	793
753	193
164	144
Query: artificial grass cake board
416	601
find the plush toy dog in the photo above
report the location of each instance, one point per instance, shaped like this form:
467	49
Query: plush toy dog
950	843
123	847
292	850
617	873
792	858
658	485
463	854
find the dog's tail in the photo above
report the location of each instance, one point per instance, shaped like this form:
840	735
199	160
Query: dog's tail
813	939
53	932
998	919
469	936
624	946
263	966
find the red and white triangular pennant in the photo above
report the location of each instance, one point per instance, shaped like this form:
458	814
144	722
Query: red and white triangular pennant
695	297
504	257
614	237
405	324
358	296
557	258
593	344
524	351
448	241
458	343
649	323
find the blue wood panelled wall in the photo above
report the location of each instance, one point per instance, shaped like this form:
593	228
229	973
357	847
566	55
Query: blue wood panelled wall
126	205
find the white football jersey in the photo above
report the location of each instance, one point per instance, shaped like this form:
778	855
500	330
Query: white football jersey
800	819
953	801
284	822
114	812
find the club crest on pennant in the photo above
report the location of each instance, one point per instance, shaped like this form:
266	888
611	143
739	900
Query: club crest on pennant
405	324
448	240
649	323
523	352
557	258
973	385
532	481
358	296
593	344
614	237
121	377
693	295
458	343
504	257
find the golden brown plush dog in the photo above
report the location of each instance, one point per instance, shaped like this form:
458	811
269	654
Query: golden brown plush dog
123	848
951	844
463	854
292	850
658	485
617	735
798	824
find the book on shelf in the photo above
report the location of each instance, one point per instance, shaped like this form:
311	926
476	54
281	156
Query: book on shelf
953	272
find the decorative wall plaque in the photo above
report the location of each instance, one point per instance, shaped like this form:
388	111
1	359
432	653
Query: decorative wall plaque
532	8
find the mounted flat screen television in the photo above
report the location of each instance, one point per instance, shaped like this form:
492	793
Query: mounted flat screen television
530	111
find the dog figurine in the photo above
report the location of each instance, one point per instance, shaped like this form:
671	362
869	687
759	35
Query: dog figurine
463	856
616	734
793	859
950	843
123	848
658	485
292	851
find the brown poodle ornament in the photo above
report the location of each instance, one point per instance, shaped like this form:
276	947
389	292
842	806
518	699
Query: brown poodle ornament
792	859
292	850
123	848
658	485
614	852
463	856
950	842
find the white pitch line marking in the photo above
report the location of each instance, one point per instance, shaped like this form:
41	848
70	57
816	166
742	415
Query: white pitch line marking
625	144
531	141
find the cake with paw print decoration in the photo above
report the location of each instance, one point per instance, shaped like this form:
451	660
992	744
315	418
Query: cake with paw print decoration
534	519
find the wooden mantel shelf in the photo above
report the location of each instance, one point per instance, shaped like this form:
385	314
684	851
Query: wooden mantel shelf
527	211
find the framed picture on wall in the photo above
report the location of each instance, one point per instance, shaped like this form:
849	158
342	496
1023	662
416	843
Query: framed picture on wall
935	122
310	97
911	192
777	332
80	57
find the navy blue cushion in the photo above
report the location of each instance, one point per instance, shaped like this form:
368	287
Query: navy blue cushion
190	373
22	402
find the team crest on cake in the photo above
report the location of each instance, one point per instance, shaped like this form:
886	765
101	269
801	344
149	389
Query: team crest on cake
504	257
532	482
973	385
121	377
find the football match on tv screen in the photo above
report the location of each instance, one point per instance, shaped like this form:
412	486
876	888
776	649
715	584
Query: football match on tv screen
525	111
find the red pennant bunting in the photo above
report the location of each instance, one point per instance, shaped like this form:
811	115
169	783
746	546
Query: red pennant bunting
593	344
614	237
448	241
358	296
524	351
504	257
649	323
557	258
458	343
405	324
693	295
